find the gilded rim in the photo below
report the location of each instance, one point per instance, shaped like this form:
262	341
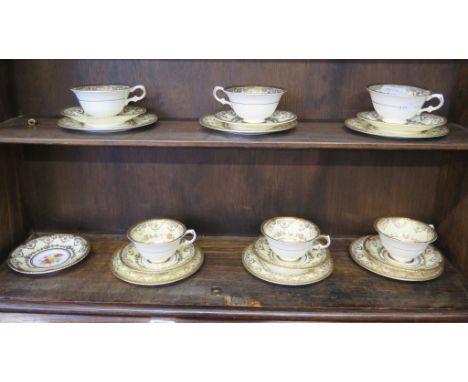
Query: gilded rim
295	218
220	126
247	267
412	274
58	269
150	220
435	236
185	276
427	92
82	88
282	91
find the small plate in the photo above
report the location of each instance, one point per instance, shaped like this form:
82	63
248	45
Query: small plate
419	123
47	254
135	123
358	124
129	275
233	120
258	269
132	259
361	256
211	122
128	113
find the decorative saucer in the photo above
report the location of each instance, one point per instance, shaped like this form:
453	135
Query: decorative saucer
132	259
419	123
211	122
132	276
276	264
360	125
431	258
128	113
233	120
47	254
135	123
375	264
259	269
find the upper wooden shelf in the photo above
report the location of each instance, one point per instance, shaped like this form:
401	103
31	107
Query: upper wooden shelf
308	135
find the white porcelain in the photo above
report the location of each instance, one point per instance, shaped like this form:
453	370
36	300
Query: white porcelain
404	238
417	124
158	239
213	123
290	238
252	103
398	103
135	123
106	100
78	114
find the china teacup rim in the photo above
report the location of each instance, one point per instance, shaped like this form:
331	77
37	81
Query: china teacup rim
129	235
228	89
85	88
294	218
434	233
371	88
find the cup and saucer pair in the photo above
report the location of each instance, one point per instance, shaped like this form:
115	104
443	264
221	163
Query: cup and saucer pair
253	111
399	113
290	253
105	109
158	254
402	250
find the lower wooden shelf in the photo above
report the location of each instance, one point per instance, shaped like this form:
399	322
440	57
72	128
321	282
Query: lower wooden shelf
223	290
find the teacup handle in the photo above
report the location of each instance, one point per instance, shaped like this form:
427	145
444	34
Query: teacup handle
327	243
430	109
224	101
136	98
194	236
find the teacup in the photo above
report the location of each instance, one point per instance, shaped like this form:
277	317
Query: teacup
290	238
398	103
404	238
251	102
106	100
158	239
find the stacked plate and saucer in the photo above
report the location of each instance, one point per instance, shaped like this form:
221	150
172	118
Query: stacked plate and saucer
105	109
253	111
399	114
402	250
291	252
157	254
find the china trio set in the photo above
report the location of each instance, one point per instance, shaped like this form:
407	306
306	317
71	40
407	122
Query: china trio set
290	250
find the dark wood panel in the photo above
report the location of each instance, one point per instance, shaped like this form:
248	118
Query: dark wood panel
308	135
459	108
181	89
222	290
225	191
7	96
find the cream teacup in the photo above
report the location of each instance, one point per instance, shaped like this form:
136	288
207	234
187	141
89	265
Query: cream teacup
404	238
106	100
398	103
251	102
157	239
290	238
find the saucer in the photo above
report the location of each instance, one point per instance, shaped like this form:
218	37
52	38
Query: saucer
258	269
128	113
278	118
374	264
48	254
211	122
431	258
419	123
360	125
135	123
132	276
132	259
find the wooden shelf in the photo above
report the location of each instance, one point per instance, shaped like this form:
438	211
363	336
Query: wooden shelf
224	290
308	135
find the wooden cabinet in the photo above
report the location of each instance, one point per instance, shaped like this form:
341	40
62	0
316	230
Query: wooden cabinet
224	186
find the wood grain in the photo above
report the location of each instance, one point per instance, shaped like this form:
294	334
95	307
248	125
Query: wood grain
223	290
7	96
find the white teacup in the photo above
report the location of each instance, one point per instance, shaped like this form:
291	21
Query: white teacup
106	100
157	239
398	103
404	238
290	238
251	102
